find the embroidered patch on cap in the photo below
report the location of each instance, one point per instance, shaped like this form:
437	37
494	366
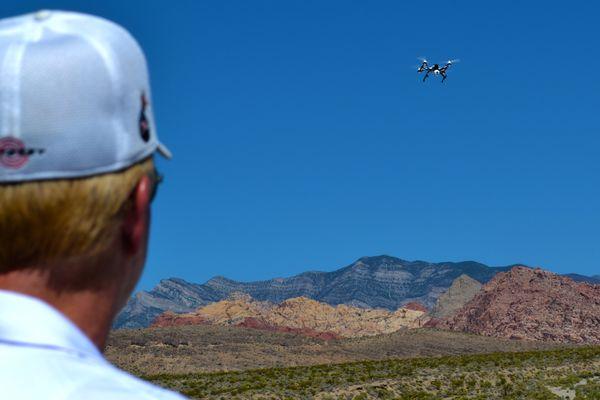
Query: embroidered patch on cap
14	154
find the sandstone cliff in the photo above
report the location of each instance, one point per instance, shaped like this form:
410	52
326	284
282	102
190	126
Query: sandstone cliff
462	290
534	304
299	315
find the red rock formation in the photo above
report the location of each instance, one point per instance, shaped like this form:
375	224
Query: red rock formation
415	306
526	303
434	323
300	315
171	319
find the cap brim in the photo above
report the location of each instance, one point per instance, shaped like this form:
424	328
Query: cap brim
163	151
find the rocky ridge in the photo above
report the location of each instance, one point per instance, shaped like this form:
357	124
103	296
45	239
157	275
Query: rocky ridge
462	290
370	282
594	280
174	294
532	304
299	315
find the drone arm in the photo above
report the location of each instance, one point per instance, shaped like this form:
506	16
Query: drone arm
449	63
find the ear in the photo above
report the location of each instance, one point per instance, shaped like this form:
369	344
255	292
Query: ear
137	218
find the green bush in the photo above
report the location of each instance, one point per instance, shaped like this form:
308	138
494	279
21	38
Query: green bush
525	375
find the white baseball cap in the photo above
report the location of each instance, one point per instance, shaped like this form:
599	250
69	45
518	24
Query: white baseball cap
74	98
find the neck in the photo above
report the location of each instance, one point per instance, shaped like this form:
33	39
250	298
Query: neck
91	310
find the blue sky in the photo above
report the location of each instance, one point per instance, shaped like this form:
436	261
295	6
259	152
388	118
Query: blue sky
304	139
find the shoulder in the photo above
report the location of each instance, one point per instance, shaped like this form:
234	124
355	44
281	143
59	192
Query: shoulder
107	382
60	375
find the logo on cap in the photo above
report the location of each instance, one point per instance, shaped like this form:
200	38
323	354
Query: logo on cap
144	124
14	154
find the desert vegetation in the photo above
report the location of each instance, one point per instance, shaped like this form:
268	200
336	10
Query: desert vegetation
572	373
191	349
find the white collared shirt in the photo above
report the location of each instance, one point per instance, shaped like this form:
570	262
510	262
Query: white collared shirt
44	356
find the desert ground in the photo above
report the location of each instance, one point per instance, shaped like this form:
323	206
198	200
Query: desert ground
211	362
201	348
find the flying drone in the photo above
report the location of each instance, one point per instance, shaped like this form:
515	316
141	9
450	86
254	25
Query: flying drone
435	69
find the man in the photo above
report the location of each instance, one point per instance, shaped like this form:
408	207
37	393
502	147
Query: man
77	178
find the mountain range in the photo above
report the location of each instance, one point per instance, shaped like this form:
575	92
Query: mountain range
522	303
370	282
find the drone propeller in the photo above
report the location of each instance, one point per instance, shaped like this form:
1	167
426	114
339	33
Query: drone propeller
422	59
453	61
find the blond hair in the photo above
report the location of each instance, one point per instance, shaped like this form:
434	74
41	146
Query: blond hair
45	221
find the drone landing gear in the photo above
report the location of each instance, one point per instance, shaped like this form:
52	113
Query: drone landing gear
444	76
426	75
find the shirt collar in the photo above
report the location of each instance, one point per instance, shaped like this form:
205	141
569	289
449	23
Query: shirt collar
28	321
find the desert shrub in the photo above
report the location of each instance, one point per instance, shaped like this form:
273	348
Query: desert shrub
508	376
